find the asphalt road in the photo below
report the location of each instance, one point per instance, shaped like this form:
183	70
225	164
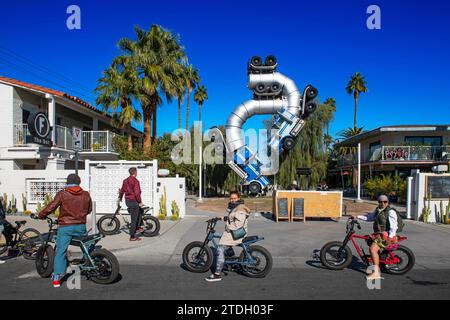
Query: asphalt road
154	271
19	281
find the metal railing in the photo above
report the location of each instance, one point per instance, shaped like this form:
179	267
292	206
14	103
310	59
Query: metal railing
20	134
92	141
415	153
398	153
98	141
63	137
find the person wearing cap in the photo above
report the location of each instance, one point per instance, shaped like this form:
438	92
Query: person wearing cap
74	204
385	227
294	185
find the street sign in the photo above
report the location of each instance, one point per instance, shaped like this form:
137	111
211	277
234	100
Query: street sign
39	127
77	138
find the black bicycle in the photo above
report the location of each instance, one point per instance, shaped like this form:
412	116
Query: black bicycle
110	224
25	242
97	264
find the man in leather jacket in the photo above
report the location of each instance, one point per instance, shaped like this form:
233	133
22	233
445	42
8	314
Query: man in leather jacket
75	204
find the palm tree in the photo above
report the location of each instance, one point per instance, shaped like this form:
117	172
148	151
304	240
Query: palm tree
330	104
192	79
181	92
158	57
200	96
356	85
116	89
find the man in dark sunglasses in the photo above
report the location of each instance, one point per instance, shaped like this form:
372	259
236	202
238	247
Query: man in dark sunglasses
385	225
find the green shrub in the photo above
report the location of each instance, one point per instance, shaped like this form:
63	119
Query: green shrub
386	184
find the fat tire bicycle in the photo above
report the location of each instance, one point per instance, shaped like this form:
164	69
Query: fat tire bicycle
110	224
25	242
254	261
394	259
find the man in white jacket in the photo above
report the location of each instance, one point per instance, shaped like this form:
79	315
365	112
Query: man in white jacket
385	227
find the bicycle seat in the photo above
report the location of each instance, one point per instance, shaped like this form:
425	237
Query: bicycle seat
20	223
78	239
250	238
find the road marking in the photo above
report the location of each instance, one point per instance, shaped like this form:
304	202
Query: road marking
31	274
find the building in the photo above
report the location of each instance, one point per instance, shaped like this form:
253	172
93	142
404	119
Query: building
396	150
22	159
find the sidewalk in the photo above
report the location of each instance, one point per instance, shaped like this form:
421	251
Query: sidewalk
117	242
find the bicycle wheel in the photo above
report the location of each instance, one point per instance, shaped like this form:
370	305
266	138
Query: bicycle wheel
398	261
44	261
196	262
3	244
107	266
334	257
30	242
263	263
151	226
108	225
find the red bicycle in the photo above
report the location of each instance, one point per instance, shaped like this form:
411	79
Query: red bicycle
394	259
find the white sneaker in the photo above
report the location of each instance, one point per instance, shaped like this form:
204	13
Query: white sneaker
2	261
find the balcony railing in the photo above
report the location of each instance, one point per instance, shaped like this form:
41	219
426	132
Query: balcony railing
92	141
415	153
63	137
98	141
398	153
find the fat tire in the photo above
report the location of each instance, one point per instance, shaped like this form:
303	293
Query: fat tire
104	219
266	269
115	267
331	266
43	270
409	266
157	224
188	263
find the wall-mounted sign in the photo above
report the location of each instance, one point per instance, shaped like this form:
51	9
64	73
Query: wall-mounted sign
39	127
77	138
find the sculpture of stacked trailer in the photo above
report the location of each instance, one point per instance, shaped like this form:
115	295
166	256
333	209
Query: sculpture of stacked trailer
275	94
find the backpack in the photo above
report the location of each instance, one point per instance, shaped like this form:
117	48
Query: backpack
400	223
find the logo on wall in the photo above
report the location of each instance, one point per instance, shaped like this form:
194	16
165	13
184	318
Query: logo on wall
39	127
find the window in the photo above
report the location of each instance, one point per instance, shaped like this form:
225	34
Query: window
427	141
375	151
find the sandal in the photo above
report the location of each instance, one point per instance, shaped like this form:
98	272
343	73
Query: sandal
135	239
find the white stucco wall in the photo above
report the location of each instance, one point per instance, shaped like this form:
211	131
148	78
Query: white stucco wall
6	119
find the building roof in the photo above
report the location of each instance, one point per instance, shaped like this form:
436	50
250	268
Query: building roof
399	128
53	92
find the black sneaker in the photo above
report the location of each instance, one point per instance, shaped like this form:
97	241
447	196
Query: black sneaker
213	277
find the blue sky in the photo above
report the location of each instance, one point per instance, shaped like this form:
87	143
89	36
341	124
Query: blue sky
406	63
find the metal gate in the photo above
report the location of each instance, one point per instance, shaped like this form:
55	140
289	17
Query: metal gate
106	177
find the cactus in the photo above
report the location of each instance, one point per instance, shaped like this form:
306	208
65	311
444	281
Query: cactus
13	205
9	209
163	206
175	211
426	211
39	208
24	202
5	201
446	213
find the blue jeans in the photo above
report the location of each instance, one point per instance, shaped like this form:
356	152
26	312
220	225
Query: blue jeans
221	252
63	239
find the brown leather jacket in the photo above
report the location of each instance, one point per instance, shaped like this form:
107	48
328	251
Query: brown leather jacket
75	204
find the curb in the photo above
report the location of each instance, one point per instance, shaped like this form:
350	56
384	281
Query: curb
145	243
435	227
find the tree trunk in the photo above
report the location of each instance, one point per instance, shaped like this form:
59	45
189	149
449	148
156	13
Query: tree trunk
130	138
179	114
356	109
187	109
200	112
154	134
147	129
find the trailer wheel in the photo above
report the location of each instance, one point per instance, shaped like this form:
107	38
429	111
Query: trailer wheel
271	61
254	188
256	61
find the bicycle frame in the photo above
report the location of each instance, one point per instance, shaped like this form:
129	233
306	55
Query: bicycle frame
52	237
351	236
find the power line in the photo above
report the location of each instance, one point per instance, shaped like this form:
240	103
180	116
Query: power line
45	79
33	64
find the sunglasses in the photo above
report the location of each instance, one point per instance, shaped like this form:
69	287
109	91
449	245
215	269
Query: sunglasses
382	202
